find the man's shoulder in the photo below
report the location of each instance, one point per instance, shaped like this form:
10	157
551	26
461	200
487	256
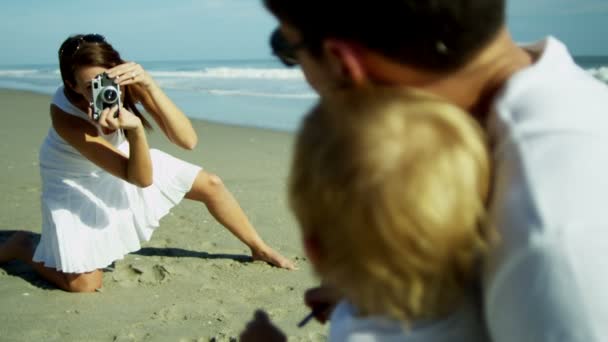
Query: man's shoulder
548	143
554	97
552	86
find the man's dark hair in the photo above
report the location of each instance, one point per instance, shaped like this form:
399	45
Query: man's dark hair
436	35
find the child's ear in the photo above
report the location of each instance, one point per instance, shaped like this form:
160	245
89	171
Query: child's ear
70	85
313	249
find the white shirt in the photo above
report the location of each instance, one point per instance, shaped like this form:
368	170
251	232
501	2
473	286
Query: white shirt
465	324
548	280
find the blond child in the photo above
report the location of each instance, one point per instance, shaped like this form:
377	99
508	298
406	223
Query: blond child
389	188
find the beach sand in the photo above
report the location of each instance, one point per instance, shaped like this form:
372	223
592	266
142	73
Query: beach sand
193	281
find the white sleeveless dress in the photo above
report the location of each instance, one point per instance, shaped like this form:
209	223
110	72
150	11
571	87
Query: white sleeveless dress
91	218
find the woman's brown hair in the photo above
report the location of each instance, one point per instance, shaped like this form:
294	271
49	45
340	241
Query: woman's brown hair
77	51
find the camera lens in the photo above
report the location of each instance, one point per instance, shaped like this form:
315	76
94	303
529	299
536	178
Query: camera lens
109	95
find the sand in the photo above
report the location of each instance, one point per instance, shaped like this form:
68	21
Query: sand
193	281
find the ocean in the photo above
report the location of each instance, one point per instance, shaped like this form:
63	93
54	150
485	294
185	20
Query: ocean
258	93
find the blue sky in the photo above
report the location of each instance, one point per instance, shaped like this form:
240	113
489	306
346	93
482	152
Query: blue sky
32	30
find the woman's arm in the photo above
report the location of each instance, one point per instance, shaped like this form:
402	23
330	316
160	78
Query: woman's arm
84	137
171	120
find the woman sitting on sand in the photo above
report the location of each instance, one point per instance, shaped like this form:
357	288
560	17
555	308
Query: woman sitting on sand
103	189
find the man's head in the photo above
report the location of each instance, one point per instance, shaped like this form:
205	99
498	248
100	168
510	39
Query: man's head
434	35
389	186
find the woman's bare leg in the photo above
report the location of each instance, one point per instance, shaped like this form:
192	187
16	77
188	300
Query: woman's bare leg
20	247
210	190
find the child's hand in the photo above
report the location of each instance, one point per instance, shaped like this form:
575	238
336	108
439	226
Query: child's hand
322	301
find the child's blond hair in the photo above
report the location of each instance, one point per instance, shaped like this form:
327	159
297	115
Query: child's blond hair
392	183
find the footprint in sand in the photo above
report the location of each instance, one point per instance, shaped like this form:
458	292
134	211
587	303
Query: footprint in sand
143	274
156	275
167	314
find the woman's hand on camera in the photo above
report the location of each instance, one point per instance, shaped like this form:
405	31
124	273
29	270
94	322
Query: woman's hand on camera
124	120
130	73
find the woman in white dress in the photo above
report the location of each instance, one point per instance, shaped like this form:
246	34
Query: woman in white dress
103	189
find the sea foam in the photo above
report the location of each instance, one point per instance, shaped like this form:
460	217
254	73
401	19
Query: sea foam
234	73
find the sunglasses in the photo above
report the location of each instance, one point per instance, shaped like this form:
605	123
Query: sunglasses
283	50
75	44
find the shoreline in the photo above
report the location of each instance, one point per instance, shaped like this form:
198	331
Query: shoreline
195	119
193	281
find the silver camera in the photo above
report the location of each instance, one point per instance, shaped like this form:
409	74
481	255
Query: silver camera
106	94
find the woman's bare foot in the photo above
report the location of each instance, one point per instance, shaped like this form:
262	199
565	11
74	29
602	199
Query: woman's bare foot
272	257
18	246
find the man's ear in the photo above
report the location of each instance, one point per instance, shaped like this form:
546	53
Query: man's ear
313	249
345	59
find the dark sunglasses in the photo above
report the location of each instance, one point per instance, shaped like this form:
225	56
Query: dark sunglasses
283	50
75	44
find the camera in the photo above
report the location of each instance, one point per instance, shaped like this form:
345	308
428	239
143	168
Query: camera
106	94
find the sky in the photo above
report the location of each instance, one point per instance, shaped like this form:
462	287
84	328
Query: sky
156	30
